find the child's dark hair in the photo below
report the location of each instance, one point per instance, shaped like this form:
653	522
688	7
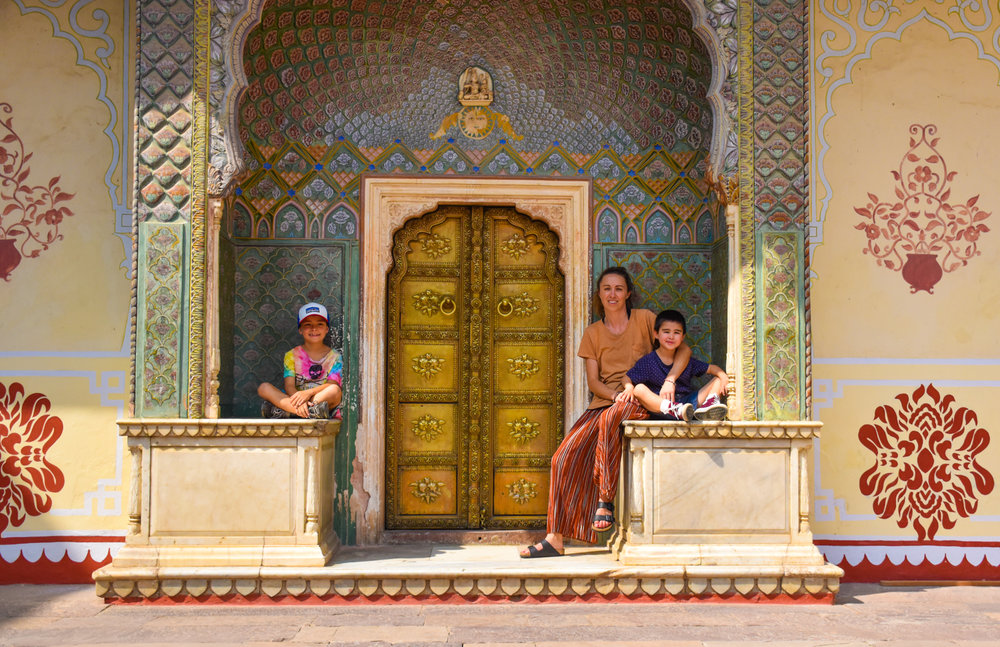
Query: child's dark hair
622	272
668	315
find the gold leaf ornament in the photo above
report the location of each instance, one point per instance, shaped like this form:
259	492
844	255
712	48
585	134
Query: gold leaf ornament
434	245
427	489
523	366
525	305
516	246
522	491
427	302
427	427
523	430
427	366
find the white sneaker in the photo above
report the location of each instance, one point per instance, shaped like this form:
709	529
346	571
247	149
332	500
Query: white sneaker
711	409
680	410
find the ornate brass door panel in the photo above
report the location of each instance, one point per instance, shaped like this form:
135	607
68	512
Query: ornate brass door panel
474	391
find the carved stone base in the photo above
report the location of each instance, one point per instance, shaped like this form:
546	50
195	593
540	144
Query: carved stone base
725	500
227	493
465	574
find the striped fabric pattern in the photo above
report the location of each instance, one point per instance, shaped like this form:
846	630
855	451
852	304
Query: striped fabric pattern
585	469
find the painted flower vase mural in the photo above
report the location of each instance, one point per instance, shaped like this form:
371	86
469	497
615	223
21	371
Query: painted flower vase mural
925	473
921	233
27	431
29	214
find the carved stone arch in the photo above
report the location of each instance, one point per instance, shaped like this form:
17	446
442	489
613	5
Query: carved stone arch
716	22
232	20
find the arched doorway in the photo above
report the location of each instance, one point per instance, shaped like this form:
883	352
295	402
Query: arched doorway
474	369
325	100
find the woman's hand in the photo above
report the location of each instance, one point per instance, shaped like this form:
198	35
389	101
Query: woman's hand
667	390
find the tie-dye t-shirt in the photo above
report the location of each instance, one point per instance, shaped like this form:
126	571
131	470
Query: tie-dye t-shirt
309	373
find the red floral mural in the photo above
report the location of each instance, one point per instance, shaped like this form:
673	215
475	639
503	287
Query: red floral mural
27	431
925	472
29	214
936	235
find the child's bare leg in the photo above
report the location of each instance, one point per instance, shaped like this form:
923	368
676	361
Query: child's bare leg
278	398
331	394
714	387
651	401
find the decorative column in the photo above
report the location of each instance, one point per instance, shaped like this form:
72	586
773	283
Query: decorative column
169	228
212	361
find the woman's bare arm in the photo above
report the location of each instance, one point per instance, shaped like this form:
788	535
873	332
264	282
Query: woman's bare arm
598	388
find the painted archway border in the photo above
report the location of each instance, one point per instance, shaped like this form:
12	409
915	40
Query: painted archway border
386	204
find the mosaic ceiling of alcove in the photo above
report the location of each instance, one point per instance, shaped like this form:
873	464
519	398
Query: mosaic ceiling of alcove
628	73
615	92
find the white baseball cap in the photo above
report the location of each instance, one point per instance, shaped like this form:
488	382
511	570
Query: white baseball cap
313	308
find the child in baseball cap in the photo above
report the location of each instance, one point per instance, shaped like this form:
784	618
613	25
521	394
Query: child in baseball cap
312	376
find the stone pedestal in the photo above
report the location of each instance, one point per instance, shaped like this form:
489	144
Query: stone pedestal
722	500
234	494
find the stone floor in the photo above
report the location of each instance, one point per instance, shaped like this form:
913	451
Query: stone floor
864	615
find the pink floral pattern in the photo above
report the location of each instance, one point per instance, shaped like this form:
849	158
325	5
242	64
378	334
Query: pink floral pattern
27	431
925	472
30	215
936	235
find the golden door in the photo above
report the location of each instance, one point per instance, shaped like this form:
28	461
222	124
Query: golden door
474	392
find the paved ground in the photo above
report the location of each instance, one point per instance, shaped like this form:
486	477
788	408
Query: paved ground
865	615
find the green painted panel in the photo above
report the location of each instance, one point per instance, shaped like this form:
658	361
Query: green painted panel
161	335
780	324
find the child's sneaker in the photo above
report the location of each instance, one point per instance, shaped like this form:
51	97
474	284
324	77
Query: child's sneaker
711	409
268	410
680	410
320	410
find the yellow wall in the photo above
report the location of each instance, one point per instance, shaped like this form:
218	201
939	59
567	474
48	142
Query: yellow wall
64	330
874	338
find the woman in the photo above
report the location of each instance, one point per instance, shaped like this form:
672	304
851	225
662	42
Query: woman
584	475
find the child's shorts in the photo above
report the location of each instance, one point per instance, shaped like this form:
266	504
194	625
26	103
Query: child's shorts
692	399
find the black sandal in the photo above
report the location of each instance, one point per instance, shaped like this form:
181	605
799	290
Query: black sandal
610	518
547	550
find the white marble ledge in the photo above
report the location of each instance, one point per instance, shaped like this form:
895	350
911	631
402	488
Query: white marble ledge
226	428
778	429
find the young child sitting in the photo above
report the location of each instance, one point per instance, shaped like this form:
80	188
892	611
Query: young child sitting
643	381
312	373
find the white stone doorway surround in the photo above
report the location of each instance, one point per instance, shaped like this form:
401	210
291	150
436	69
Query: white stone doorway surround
386	204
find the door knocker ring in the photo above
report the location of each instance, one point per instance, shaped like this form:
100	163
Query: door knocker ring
505	308
447	306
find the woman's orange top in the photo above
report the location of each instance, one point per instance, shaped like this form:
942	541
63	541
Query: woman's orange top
616	354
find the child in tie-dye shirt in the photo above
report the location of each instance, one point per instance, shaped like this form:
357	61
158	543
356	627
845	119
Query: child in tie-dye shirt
312	376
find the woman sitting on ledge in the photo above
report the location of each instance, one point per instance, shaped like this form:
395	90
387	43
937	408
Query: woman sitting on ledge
584	475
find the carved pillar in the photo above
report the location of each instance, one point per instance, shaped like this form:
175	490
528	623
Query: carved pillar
212	363
637	504
312	508
802	454
135	492
728	191
734	316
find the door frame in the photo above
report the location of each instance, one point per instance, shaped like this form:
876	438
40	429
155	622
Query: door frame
386	204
